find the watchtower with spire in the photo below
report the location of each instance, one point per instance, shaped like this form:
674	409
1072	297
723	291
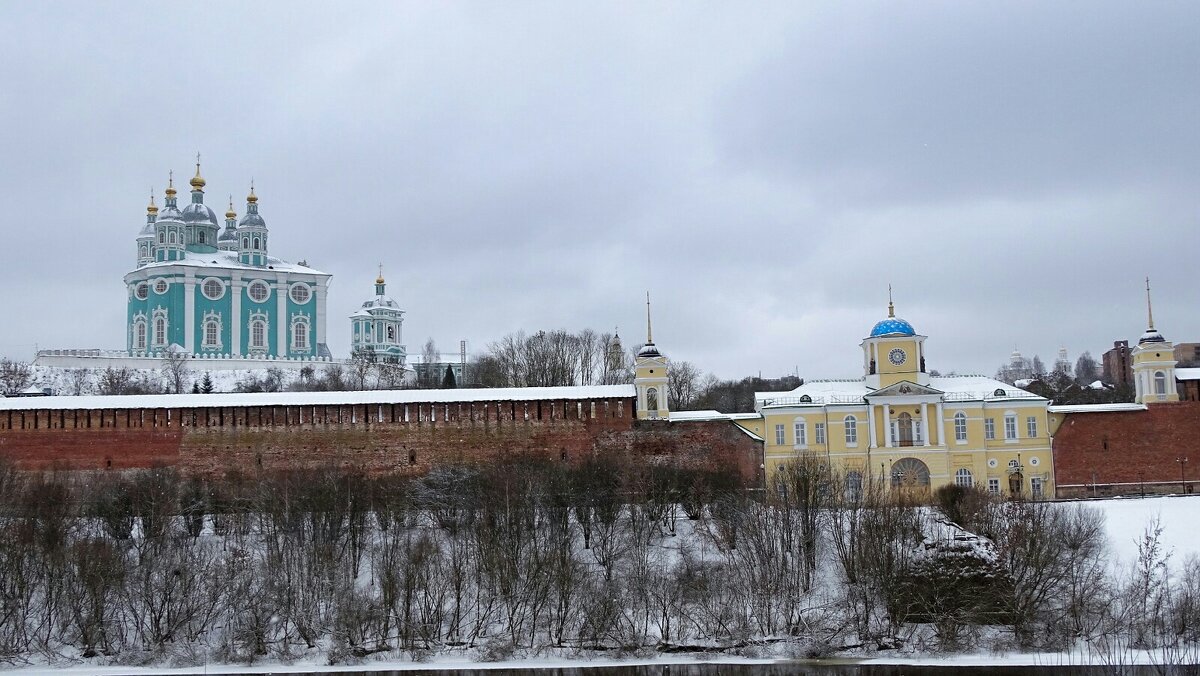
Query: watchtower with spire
650	377
378	326
1153	363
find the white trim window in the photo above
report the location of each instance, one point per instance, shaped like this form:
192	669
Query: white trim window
779	434
1010	426
993	486
960	427
850	424
160	328
212	288
210	334
258	332
963	478
801	431
1160	383
139	333
989	428
1035	487
259	291
1031	426
300	293
300	333
819	432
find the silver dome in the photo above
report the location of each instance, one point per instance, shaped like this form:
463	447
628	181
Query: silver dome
252	220
169	214
227	235
198	213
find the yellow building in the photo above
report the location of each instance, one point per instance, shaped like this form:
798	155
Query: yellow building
912	429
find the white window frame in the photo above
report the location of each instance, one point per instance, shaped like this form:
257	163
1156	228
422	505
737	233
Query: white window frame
298	321
1010	427
141	290
960	427
1031	426
819	433
994	485
300	286
204	284
212	319
800	430
258	284
1160	383
161	328
989	429
1036	487
259	319
141	333
964	478
850	429
779	440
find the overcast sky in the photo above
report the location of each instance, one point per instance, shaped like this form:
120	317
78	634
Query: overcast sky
765	170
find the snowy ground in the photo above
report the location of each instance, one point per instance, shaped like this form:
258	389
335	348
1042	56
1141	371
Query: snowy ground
1128	518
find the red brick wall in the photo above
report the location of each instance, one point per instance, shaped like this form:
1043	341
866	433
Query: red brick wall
1128	452
409	439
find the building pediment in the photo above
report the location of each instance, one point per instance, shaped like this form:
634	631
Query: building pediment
905	388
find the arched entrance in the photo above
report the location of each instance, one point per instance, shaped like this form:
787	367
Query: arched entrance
1014	483
910	475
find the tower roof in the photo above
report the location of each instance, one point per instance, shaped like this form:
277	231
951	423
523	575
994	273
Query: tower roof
893	325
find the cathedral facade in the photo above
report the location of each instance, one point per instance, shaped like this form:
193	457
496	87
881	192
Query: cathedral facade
217	293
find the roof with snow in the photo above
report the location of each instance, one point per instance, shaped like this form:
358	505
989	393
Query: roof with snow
893	326
321	398
954	388
229	259
1187	374
1097	408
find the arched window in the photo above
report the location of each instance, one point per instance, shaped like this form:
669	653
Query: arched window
850	424
904	429
202	238
212	333
161	236
160	331
245	242
139	335
960	426
1160	383
963	478
652	400
391	330
258	334
300	335
910	473
171	238
256	244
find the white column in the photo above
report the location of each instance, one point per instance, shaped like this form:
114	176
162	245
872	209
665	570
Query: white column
281	331
939	424
235	311
322	290
189	310
887	425
871	443
925	420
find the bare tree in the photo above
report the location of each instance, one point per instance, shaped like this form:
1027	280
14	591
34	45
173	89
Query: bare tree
362	366
175	370
683	384
1086	369
15	376
79	381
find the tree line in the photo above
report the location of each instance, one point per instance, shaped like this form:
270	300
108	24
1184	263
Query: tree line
527	556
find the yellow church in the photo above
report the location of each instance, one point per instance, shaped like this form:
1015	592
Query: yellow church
896	421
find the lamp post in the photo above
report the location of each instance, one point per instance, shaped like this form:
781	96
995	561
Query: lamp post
1182	460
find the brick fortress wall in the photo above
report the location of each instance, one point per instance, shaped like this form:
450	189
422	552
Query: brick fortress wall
1128	452
407	438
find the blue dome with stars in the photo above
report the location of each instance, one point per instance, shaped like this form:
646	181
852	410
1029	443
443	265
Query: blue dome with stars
893	326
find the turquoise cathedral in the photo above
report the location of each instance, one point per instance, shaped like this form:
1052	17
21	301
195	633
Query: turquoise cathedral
217	293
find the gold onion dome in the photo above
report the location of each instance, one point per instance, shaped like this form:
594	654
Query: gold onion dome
197	180
230	214
171	184
252	197
152	208
379	279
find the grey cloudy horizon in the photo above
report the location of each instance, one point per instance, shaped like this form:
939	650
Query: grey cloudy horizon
765	170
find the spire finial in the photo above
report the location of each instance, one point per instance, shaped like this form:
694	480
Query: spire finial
231	214
251	197
170	183
891	307
152	208
379	279
649	333
1149	308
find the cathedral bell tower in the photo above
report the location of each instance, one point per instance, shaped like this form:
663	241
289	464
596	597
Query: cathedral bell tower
1154	363
650	377
893	352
